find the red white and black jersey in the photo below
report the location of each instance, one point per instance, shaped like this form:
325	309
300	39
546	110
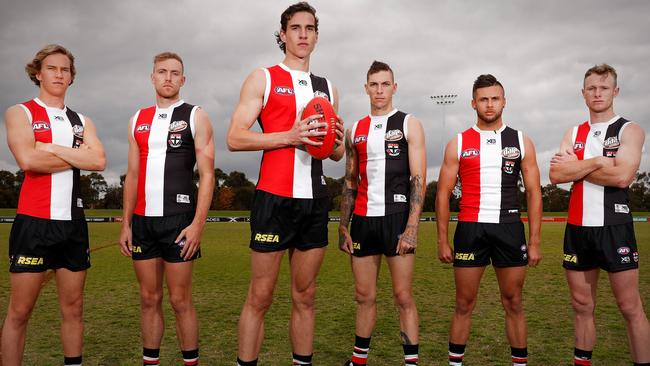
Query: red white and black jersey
290	171
592	204
165	138
54	196
489	167
381	143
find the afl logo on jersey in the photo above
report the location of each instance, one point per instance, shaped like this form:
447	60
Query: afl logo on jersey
283	90
510	152
40	126
175	140
145	127
78	130
319	93
394	135
393	149
359	139
611	143
177	126
578	146
469	153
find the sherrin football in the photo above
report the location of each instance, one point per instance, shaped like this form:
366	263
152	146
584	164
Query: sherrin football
322	106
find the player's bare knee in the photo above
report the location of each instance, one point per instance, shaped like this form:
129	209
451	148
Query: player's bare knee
583	306
150	299
465	306
512	303
72	311
19	315
181	304
259	300
631	310
304	298
404	300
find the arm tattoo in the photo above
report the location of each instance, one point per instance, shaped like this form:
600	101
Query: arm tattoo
349	194
416	196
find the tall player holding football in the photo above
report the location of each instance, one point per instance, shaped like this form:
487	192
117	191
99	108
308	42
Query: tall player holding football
290	209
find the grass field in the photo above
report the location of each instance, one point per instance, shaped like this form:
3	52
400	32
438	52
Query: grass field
221	280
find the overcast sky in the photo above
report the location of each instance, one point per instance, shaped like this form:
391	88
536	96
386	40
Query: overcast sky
539	50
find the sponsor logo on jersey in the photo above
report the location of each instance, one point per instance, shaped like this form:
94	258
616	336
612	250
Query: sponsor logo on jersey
302	82
181	243
182	198
392	149
635	256
508	167
322	180
40	126
283	90
145	127
321	94
623	250
513	210
523	247
626	259
469	153
267	238
162	115
611	143
177	126
394	135
78	130
399	198
59	118
571	258
29	261
356	246
359	139
596	133
578	146
610	153
175	140
621	208
80	203
491	141
136	249
465	256
510	152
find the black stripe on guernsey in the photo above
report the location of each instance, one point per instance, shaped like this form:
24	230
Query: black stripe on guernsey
318	84
398	172
510	169
613	195
179	165
76	212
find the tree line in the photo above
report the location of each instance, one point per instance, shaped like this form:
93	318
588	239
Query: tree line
234	191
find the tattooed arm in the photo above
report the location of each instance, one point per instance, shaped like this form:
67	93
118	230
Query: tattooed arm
349	193
418	166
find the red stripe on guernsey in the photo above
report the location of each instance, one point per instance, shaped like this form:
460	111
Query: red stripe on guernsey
36	191
470	176
276	172
141	135
576	198
361	202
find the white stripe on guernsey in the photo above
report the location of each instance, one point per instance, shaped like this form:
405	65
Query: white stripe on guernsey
593	195
376	165
29	114
191	121
267	86
459	145
490	201
330	91
574	134
155	173
302	180
406	126
132	122
61	181
522	146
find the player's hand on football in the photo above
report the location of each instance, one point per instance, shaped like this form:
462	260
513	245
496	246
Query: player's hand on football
126	244
563	157
340	133
534	252
190	240
345	240
445	253
302	130
408	240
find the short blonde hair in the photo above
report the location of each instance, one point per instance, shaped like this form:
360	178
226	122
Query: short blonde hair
166	56
34	67
602	69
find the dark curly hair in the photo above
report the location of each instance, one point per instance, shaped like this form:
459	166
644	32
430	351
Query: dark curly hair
485	81
288	13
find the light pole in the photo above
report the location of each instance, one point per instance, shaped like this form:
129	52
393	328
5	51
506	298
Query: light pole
443	100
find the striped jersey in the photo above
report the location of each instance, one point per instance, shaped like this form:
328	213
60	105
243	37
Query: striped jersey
290	171
592	204
165	139
54	196
381	143
489	167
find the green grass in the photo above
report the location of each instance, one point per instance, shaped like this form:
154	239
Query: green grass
221	280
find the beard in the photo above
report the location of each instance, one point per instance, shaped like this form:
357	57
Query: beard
492	119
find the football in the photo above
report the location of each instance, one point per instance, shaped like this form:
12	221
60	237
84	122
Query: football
322	106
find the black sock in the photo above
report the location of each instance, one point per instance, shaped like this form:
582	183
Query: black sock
410	354
246	363
519	356
150	356
191	357
642	364
360	352
456	354
581	357
302	360
72	361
